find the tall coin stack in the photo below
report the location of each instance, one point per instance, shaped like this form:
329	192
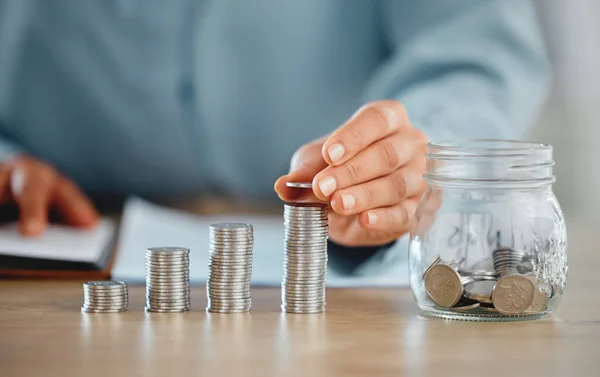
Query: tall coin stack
104	297
230	268
167	279
305	261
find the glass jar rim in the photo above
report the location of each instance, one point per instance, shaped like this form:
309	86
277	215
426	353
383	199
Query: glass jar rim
488	145
489	163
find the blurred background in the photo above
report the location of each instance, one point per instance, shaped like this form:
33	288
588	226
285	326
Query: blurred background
571	119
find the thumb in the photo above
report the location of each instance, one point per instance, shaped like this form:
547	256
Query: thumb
306	163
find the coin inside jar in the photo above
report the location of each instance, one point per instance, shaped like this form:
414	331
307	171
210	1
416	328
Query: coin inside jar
513	294
443	285
480	290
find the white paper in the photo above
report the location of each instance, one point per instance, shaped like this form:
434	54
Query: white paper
59	242
147	225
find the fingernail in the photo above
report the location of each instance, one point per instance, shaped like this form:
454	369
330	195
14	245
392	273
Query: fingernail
327	185
335	152
348	201
372	218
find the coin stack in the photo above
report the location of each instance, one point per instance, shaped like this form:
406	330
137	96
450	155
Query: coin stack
503	290
305	261
230	268
507	260
167	279
104	297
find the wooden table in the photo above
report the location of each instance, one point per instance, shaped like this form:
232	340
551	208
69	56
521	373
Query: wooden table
364	332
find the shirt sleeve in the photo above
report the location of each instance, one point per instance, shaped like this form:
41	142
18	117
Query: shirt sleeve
462	69
8	150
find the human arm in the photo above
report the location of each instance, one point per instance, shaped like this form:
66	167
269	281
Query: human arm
462	69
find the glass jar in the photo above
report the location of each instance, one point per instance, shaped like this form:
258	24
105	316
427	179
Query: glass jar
488	242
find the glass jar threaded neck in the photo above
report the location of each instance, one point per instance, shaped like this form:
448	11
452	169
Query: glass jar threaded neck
489	163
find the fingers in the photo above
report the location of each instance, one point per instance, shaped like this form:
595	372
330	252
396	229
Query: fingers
5	195
73	205
305	164
32	186
379	159
381	192
369	124
395	219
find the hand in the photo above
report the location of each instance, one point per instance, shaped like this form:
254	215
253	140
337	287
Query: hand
36	187
370	171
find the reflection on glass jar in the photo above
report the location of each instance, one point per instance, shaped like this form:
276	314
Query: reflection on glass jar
488	241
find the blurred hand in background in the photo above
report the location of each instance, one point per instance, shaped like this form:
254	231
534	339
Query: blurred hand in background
369	171
36	188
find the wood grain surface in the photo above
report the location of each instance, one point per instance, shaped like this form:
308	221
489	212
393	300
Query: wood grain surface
365	332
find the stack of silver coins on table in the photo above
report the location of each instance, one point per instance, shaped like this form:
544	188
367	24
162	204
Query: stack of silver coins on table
167	279
230	268
504	284
305	260
104	297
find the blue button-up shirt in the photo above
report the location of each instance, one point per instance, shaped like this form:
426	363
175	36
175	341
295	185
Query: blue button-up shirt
155	97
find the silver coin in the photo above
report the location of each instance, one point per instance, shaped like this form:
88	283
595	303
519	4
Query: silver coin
228	304
306	267
168	292
100	306
105	300
222	301
464	308
478	273
304	274
224	287
229	295
105	294
242	243
181	275
167	255
311	282
163	262
239	309
98	311
303	302
165	305
303	259
228	283
166	310
232	259
291	286
435	261
230	227
234	294
168	251
149	309
303	185
105	284
480	291
302	310
302	296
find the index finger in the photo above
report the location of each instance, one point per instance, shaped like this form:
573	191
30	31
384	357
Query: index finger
369	124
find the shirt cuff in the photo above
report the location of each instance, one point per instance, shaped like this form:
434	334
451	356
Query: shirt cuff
347	261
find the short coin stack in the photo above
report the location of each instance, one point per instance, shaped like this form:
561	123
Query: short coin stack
104	297
305	261
230	268
167	279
